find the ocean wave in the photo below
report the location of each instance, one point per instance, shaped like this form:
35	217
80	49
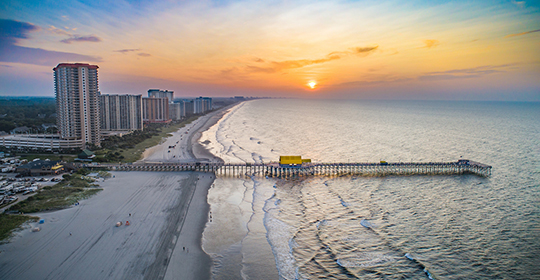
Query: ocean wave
367	259
279	235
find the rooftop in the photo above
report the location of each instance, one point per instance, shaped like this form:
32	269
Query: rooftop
75	65
38	164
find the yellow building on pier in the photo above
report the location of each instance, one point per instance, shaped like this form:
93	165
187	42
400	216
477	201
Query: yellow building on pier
293	160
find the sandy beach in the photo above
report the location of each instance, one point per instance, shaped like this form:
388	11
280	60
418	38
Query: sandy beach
167	212
185	143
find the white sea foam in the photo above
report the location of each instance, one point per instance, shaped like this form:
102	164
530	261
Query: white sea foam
367	259
279	236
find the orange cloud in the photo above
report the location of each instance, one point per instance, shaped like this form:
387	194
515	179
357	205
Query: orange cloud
522	33
475	72
357	51
431	43
366	50
58	31
277	66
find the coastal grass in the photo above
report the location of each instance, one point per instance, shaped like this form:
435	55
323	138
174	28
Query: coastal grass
72	189
135	153
8	223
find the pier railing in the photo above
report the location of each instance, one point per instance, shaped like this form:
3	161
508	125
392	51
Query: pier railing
277	170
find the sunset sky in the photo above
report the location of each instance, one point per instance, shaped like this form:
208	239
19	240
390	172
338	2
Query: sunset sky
425	50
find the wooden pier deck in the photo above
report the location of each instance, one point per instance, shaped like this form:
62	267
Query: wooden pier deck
330	169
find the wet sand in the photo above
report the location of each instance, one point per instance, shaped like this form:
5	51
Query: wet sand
168	210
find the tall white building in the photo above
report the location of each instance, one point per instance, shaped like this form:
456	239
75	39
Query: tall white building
77	102
155	110
157	93
177	110
202	105
121	112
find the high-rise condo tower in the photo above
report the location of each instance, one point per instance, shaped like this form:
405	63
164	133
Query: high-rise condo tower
77	102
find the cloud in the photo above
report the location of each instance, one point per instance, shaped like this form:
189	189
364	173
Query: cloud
522	33
366	50
257	69
257	59
431	43
124	51
73	37
77	38
475	72
288	64
277	66
127	50
58	31
41	57
11	31
377	81
360	51
229	71
520	4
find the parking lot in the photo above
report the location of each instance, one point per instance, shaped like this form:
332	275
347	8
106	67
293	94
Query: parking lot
13	190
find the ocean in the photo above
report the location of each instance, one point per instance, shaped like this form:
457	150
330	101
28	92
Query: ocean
419	227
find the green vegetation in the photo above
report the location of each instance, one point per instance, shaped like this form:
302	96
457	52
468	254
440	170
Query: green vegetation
129	148
10	222
31	157
104	174
73	188
31	112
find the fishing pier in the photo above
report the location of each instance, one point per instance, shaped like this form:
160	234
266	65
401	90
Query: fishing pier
309	169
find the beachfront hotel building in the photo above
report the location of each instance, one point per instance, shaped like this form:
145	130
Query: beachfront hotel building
177	110
121	112
189	107
202	105
77	111
77	102
157	93
155	110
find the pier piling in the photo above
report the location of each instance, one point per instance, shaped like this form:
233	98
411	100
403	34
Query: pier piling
324	169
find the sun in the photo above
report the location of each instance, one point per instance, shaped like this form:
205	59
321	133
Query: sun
312	84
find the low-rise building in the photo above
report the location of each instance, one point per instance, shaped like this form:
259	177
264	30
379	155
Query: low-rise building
86	155
41	167
39	141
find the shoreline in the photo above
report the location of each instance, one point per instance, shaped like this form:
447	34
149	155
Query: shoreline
186	147
196	263
168	212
